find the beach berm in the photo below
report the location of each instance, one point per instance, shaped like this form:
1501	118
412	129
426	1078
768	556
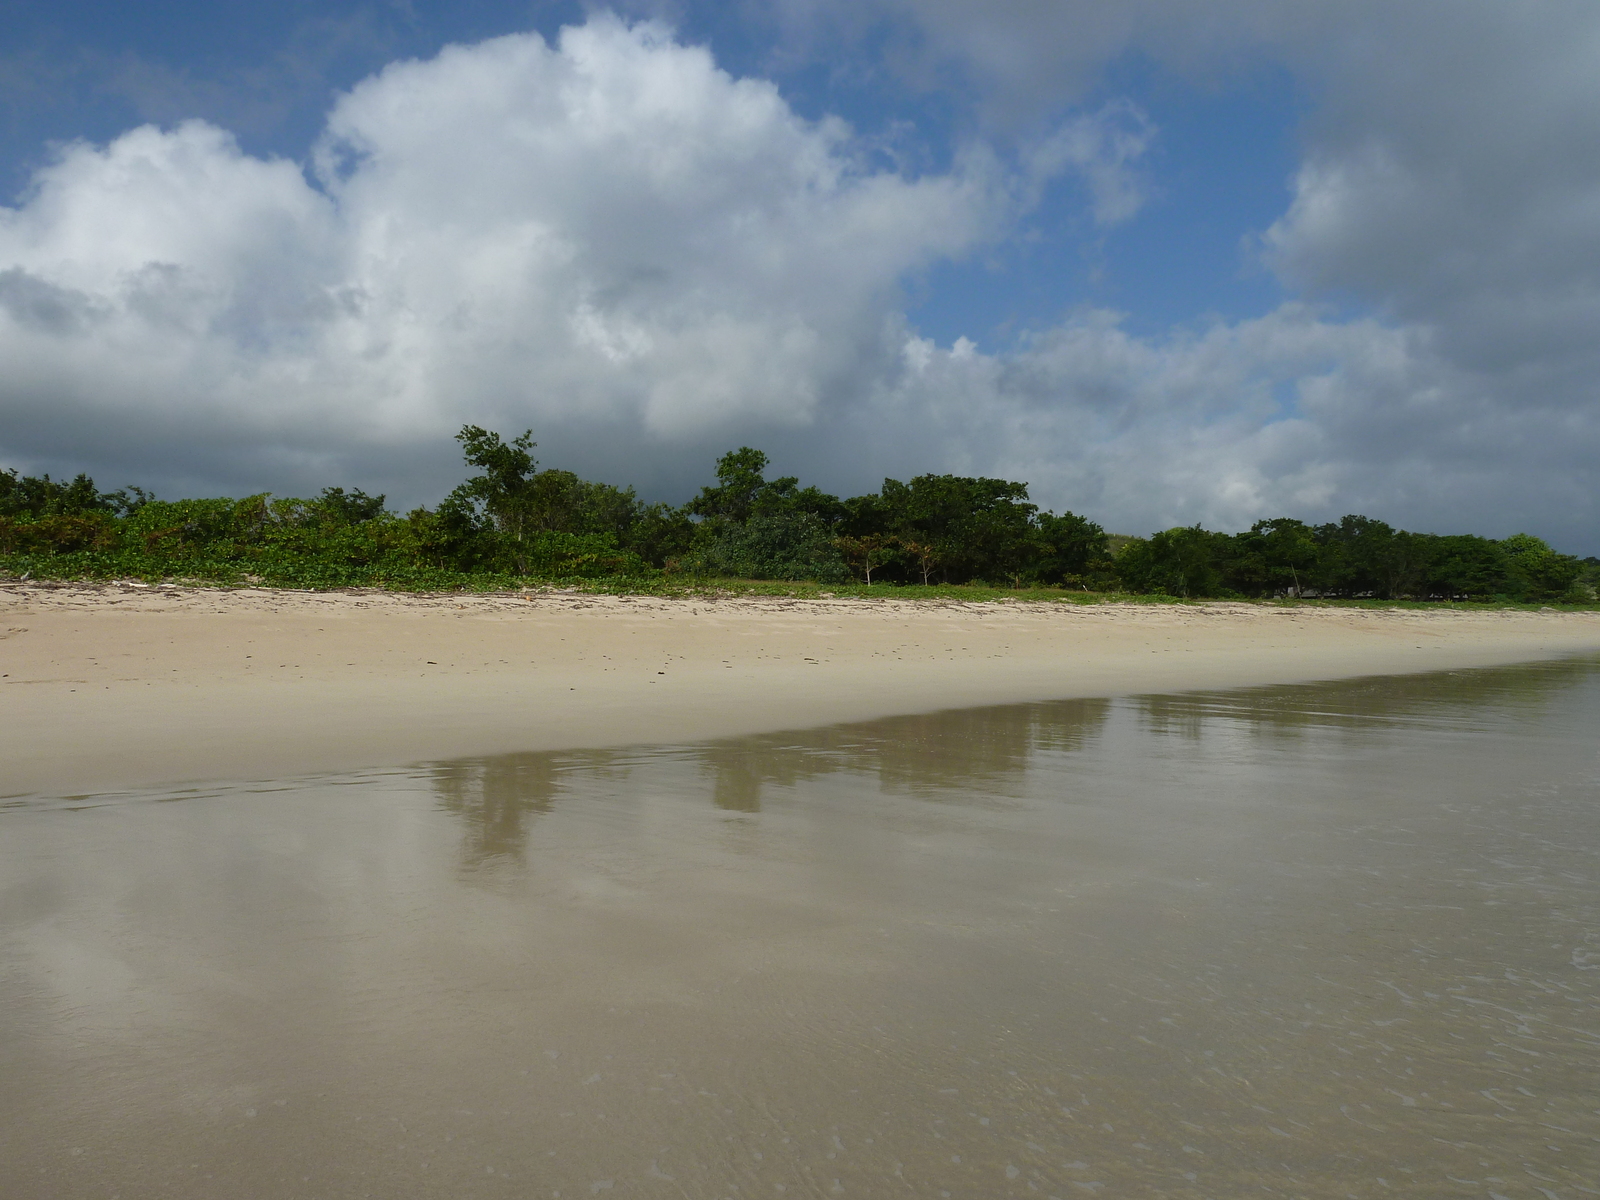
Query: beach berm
110	686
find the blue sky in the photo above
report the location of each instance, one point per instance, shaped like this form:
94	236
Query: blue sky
1168	262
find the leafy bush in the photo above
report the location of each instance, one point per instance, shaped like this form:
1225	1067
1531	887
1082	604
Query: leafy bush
775	545
513	522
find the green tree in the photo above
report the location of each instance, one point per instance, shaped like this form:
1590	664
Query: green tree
1352	554
505	492
1464	567
1070	550
349	508
777	544
1276	555
25	496
740	481
561	502
42	516
1536	572
1185	561
755	528
661	535
923	555
977	528
867	552
1589	577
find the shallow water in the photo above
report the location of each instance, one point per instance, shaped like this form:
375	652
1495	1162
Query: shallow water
1330	940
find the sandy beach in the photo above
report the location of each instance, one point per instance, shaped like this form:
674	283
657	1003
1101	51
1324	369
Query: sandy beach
104	687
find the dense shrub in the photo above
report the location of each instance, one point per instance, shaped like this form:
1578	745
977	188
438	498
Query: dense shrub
513	522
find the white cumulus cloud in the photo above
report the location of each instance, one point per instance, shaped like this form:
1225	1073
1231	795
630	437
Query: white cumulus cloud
608	236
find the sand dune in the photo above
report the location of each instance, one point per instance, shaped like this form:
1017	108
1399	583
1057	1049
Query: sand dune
105	687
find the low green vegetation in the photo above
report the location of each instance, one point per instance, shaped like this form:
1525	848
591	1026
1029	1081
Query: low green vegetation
511	525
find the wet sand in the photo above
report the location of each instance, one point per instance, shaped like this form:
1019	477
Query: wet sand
1316	941
120	686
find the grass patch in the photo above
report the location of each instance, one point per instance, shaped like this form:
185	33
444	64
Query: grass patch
104	567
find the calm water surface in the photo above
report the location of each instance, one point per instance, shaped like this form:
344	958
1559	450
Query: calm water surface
1330	940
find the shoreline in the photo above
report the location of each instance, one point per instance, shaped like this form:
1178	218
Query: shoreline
111	686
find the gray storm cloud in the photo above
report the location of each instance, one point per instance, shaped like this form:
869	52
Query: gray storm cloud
647	260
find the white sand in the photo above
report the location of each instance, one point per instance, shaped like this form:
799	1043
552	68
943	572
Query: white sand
107	687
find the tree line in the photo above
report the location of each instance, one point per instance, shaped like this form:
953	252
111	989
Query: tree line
512	521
